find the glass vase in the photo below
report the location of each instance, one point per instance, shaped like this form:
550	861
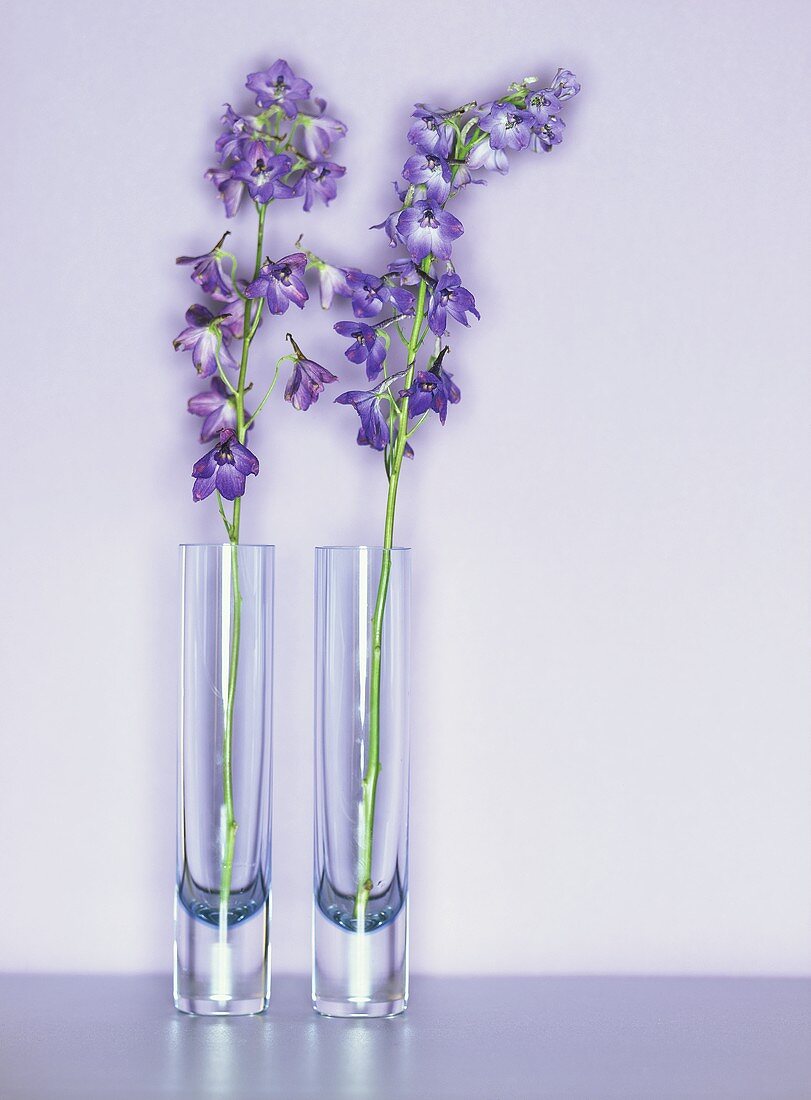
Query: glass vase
360	911
222	899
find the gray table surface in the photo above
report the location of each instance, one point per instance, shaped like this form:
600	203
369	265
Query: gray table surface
465	1038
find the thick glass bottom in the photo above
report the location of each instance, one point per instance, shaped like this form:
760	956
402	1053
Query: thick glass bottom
201	1006
370	1010
222	974
360	973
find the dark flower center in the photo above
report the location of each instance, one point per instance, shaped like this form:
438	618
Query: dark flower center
283	273
432	162
280	85
224	454
426	386
428	219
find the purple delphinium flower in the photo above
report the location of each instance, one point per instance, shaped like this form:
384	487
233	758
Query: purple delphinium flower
432	133
316	132
546	134
307	380
279	86
432	171
280	283
369	293
464	177
483	155
432	389
203	333
403	299
362	441
368	346
230	190
508	126
238	129
216	406
423	393
320	180
261	172
565	84
224	468
366	404
331	281
209	275
389	224
542	104
426	228
450	297
404	270
232	318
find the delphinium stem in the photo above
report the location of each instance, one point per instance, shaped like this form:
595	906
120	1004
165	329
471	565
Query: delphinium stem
229	824
372	773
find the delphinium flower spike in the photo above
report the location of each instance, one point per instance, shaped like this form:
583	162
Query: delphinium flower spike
420	297
281	152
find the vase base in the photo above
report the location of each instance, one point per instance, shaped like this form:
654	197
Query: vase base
222	974
360	974
203	1006
370	1010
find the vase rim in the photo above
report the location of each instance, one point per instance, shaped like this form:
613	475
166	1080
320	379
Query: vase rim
219	545
363	546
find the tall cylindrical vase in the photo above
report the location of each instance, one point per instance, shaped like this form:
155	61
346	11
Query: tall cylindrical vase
360	912
222	900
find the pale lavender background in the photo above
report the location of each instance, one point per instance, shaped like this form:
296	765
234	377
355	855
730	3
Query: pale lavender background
611	717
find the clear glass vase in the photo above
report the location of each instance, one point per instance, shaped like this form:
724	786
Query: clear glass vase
360	911
222	899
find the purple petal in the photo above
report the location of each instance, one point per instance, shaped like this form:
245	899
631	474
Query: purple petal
209	401
332	281
205	466
244	460
349	328
223	417
204	486
296	291
297	261
229	481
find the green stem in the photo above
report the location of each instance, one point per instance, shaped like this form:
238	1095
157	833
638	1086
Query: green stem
264	400
229	824
372	773
224	517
